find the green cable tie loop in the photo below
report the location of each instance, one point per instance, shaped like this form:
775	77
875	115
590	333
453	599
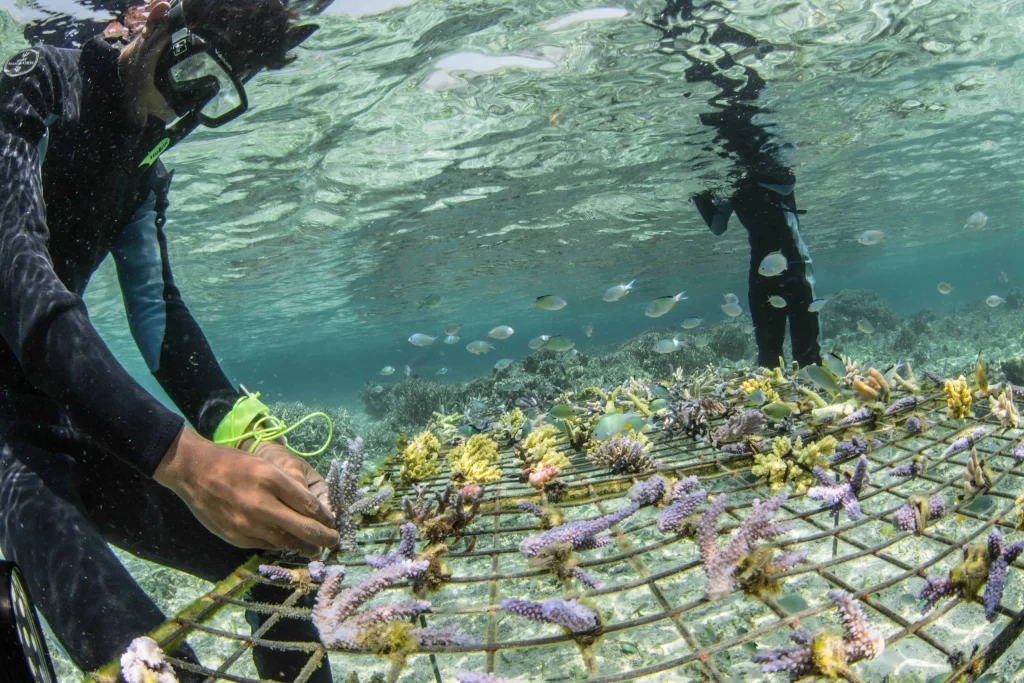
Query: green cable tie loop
276	430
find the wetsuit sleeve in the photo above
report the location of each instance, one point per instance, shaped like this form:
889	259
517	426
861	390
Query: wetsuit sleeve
44	323
167	335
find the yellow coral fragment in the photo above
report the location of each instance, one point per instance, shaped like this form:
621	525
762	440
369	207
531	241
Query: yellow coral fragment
1004	409
476	460
420	458
958	397
792	462
753	384
539	448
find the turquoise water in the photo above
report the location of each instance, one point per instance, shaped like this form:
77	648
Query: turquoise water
371	173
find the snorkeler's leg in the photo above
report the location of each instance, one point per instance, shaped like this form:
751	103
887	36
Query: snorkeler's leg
769	322
91	602
803	323
159	527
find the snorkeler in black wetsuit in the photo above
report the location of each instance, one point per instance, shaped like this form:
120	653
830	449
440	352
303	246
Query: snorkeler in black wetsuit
763	197
87	456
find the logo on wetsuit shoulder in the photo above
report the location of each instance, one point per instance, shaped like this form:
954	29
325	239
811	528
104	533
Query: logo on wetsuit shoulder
21	63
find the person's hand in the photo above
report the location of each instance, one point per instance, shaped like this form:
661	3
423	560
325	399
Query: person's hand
245	500
294	466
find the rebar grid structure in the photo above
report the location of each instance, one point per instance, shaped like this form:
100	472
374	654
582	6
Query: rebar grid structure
657	624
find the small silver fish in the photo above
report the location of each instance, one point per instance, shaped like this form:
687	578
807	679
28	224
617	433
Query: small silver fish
479	347
501	332
663	304
588	330
442	371
865	327
871	237
618	291
667	346
732	309
420	339
503	363
387	370
773	264
451	339
691	323
777	301
538	342
432	301
377	389
977	221
816	305
700	342
558	343
944	288
452	329
994	300
731	298
550	302
408	371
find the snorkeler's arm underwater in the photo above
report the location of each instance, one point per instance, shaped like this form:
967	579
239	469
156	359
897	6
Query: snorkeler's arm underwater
53	348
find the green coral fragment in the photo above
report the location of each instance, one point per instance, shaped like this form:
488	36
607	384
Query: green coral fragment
476	460
420	458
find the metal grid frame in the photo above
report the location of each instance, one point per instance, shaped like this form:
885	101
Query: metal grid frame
662	573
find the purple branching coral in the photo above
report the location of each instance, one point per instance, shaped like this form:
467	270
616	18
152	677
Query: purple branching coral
345	497
1018	451
983	563
684	503
648	492
912	468
841	496
856	417
721	566
314	572
568	614
335	617
739	426
856	446
580	535
915	424
828	654
907	403
623	454
475	677
965	442
918	512
406	549
445	517
530	508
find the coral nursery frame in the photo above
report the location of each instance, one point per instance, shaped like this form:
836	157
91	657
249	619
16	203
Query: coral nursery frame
657	624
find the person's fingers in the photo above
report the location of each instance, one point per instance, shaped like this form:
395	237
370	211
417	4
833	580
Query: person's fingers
299	498
303	528
282	540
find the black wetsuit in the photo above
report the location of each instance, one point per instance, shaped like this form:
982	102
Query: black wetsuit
762	194
79	438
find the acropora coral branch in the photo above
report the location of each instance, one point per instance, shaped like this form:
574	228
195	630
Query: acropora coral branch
580	535
343	494
824	653
685	499
983	563
406	549
739	426
841	495
918	512
648	492
568	614
624	454
721	566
